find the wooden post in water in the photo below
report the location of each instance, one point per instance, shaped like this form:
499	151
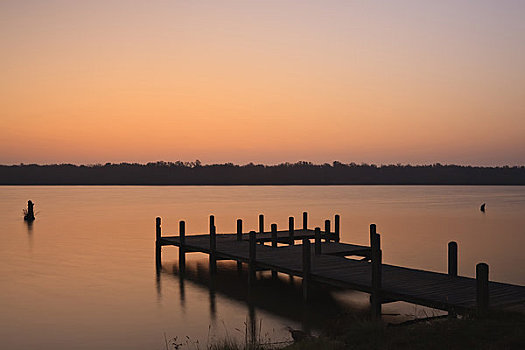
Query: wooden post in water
261	223
317	247
239	229
213	245
376	255
182	249
307	267
482	288
252	258
305	220
291	229
337	228
327	230
274	244
239	238
158	245
453	259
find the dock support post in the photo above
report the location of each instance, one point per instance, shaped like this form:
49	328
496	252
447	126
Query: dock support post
327	230
274	245
482	288
261	223
317	241
291	228
252	258
305	220
239	238
182	249
453	259
307	266
337	228
158	245
376	254
213	245
239	229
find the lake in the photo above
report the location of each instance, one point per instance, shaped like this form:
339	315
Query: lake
83	276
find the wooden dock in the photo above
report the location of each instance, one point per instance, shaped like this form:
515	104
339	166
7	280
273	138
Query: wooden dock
343	265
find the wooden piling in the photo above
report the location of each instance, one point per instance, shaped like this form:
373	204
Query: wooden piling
317	246
453	259
327	230
158	245
239	229
337	228
305	220
482	287
291	229
307	267
252	258
182	249
274	244
213	245
239	238
376	255
261	223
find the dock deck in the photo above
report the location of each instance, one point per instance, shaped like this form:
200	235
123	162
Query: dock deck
332	266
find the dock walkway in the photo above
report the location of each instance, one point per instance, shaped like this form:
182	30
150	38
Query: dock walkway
329	264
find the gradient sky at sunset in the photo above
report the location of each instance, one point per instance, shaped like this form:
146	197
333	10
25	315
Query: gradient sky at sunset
264	81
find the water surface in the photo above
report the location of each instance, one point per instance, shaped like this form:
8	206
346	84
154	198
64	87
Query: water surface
83	276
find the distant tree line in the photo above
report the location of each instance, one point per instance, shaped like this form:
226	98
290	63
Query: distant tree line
300	173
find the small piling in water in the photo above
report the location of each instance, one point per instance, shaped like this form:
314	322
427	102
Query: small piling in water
29	213
158	246
261	223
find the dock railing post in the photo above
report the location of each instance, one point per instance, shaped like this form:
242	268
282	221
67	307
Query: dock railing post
307	266
327	230
239	229
376	255
452	259
274	244
239	238
291	229
317	246
252	259
261	223
337	228
182	249
482	288
274	235
158	244
305	220
213	245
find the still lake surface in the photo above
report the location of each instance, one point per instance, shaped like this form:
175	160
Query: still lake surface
83	275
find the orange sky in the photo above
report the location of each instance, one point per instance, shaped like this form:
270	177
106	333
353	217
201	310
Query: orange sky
262	81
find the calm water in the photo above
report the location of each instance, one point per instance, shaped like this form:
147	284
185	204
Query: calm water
83	276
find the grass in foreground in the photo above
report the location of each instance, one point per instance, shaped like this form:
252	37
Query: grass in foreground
497	331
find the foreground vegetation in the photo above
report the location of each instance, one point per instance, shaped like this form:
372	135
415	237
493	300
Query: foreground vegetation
497	331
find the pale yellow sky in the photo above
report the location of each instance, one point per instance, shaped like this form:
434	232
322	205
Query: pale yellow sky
262	81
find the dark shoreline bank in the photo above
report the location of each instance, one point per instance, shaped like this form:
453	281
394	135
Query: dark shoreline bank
286	174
